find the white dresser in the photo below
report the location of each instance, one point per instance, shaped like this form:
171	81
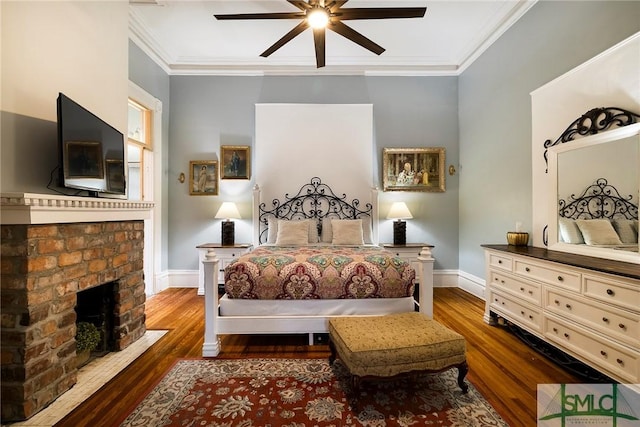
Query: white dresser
588	307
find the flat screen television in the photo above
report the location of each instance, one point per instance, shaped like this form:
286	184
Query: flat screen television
91	152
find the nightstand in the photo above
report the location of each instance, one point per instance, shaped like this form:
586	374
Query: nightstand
408	252
226	254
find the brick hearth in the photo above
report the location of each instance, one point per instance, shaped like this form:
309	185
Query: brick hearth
43	266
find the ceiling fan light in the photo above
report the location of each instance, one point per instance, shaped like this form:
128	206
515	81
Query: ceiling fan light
318	18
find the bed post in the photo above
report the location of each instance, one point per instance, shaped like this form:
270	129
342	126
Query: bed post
211	346
256	216
425	292
375	220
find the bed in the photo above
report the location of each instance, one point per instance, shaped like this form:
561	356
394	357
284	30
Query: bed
315	256
599	217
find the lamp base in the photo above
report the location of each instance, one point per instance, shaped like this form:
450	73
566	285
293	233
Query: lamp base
399	232
228	233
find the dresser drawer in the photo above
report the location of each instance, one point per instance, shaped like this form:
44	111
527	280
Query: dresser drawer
621	362
565	278
500	261
527	291
613	292
617	324
511	309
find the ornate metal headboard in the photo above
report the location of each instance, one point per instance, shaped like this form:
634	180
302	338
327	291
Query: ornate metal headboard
599	200
314	200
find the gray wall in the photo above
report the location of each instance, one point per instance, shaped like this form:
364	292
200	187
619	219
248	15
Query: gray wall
489	141
207	112
149	76
495	111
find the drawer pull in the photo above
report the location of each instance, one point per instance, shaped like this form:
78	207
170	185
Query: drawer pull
555	329
502	281
622	326
605	319
556	301
566	335
568	306
496	299
620	361
530	317
530	292
527	269
610	292
604	353
499	261
522	312
560	279
522	289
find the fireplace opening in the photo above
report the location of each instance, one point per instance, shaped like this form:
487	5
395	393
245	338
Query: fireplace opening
97	306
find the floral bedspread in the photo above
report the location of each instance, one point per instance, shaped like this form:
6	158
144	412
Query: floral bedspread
319	272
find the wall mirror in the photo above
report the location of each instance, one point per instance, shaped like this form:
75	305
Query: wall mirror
596	177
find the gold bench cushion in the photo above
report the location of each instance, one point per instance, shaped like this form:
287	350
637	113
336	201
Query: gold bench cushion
397	343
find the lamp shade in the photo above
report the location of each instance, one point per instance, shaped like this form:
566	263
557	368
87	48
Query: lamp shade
399	210
228	210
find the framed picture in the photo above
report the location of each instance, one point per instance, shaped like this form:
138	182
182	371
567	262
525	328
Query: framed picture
413	169
235	162
83	159
203	177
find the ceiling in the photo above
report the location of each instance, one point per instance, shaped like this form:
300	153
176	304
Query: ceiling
184	38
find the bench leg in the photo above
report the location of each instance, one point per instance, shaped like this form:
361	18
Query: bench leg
332	347
463	368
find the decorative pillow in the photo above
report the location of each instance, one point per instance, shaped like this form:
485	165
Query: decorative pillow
627	230
327	232
293	233
570	232
346	232
598	232
272	231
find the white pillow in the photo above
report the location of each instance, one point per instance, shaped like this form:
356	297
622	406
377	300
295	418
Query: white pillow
626	229
570	232
327	232
272	231
293	233
598	232
346	232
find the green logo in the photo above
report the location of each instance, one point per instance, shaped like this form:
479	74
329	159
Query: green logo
587	404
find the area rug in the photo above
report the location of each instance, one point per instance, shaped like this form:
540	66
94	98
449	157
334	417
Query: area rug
302	393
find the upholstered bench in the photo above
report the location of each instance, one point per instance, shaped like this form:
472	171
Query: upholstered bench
395	344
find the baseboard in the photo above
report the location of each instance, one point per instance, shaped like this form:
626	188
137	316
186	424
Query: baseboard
183	278
472	284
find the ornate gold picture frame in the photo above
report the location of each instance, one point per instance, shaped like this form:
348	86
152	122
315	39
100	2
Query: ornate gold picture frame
413	169
235	162
203	177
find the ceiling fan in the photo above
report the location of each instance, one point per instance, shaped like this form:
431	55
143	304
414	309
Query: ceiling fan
328	14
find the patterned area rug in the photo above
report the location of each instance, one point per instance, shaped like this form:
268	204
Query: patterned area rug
302	393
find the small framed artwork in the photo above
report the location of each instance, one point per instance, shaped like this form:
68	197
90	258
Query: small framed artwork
413	169
203	177
235	162
83	159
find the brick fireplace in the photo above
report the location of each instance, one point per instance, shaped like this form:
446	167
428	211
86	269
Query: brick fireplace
52	248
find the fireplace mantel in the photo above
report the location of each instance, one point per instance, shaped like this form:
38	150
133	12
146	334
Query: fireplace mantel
32	208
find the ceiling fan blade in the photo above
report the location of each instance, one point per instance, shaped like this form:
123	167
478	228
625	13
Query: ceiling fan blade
300	4
280	15
355	37
286	38
319	39
381	12
336	4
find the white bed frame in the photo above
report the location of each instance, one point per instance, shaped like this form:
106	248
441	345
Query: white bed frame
217	324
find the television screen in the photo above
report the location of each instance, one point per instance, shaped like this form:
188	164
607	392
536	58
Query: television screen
91	151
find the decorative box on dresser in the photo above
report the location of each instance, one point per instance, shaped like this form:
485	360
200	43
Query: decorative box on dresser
587	307
225	254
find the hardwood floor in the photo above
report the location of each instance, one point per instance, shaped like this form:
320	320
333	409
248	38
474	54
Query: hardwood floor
502	368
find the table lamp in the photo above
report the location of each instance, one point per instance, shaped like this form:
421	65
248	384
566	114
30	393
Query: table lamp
228	211
399	211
